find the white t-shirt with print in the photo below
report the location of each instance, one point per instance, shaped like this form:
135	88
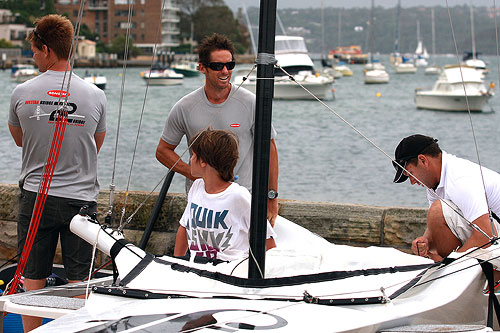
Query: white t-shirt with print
217	225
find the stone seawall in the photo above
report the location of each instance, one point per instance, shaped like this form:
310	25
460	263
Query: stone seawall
358	225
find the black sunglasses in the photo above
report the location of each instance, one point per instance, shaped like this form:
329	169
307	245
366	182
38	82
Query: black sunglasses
37	35
218	66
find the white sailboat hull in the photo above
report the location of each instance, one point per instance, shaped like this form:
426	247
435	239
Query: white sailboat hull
405	69
376	76
430	101
438	297
290	90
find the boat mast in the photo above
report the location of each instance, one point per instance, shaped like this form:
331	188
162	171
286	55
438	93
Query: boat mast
433	37
339	29
262	138
371	32
250	30
472	32
398	19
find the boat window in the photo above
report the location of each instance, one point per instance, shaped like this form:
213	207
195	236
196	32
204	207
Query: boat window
290	45
293	70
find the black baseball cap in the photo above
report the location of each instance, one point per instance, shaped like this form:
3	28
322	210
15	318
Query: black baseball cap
410	147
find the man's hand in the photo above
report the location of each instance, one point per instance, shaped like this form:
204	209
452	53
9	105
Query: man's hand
420	246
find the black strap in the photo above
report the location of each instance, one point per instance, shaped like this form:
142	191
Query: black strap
492	299
137	269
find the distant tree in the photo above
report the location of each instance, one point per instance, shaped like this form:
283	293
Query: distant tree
6	44
118	47
219	19
85	32
26	11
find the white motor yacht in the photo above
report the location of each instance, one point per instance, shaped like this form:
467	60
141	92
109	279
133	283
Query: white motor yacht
23	72
448	92
162	76
292	55
97	79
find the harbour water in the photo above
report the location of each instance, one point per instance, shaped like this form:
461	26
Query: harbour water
321	158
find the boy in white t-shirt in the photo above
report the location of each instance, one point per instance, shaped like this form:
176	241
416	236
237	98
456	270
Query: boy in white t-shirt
216	221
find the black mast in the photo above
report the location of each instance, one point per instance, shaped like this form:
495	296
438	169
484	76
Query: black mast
262	138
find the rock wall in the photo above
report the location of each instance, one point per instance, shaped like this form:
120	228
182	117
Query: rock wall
357	225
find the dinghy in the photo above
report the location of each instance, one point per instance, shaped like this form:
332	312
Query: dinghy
304	284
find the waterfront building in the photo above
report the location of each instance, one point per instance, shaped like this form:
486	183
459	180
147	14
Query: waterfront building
109	19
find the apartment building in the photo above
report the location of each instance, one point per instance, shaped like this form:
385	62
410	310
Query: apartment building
13	33
149	24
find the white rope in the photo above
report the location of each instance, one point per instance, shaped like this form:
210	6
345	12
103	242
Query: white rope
94	250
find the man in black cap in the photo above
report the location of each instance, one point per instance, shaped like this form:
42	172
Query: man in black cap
459	194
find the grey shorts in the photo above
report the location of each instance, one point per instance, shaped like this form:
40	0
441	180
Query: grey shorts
54	223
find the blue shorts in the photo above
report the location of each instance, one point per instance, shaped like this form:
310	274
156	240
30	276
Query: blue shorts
54	223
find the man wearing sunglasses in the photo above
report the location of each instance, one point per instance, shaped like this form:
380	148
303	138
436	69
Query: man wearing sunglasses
74	183
457	195
219	105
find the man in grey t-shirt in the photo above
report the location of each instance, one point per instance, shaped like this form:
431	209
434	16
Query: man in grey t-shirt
220	105
32	118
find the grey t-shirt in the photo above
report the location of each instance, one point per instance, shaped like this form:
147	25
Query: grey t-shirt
32	106
194	112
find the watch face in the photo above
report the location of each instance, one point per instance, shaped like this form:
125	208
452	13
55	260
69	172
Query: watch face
272	194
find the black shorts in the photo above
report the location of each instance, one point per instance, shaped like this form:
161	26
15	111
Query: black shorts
56	216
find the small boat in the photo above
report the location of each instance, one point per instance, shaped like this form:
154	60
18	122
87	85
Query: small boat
375	76
471	58
186	68
432	70
405	66
421	54
292	56
162	76
98	79
23	72
375	73
364	290
448	91
344	69
350	54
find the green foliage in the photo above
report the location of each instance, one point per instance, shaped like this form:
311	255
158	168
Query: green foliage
27	11
118	47
4	44
85	32
219	19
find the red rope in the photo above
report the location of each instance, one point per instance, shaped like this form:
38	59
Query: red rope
55	148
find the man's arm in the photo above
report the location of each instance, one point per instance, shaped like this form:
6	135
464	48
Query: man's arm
477	239
272	204
99	139
17	134
166	155
181	244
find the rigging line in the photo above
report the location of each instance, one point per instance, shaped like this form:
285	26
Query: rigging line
183	153
493	229
120	108
155	48
496	38
474	226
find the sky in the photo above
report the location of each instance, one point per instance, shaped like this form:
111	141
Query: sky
235	4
